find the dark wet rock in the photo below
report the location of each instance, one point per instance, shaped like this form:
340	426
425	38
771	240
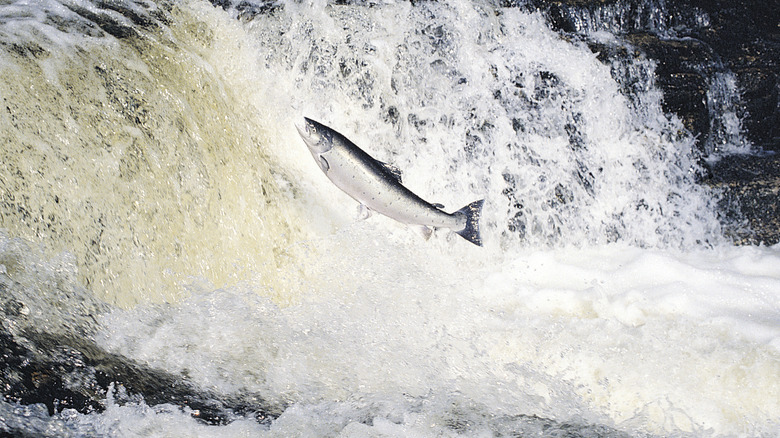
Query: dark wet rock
750	197
683	67
68	373
761	93
746	36
691	42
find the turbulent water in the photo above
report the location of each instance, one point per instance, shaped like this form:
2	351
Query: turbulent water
157	202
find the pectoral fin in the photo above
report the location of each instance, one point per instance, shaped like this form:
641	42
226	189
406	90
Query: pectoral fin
363	212
424	231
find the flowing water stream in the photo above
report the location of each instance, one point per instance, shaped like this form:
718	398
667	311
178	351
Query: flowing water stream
157	201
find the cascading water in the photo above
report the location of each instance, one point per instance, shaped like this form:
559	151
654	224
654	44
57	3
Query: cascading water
726	127
159	207
131	153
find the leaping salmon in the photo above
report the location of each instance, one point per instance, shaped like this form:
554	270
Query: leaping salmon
377	185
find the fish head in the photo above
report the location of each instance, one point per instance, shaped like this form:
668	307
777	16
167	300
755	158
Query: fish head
318	137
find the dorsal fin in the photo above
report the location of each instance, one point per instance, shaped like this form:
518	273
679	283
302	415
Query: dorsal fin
392	170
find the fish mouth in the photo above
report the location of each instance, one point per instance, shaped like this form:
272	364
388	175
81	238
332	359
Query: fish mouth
316	139
303	130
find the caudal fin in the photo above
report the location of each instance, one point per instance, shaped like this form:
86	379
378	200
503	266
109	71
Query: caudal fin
473	212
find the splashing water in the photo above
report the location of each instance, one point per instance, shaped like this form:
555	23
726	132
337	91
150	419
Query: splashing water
150	156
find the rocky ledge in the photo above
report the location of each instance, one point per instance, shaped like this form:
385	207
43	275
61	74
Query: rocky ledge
68	373
693	42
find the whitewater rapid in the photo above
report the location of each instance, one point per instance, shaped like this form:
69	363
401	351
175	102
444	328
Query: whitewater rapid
158	202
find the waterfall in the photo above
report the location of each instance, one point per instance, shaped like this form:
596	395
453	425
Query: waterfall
173	262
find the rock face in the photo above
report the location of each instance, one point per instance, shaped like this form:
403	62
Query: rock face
64	373
52	359
751	197
701	49
746	36
69	373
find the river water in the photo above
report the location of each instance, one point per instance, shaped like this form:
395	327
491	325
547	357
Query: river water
157	201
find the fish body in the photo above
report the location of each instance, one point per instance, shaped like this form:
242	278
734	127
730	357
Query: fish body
377	185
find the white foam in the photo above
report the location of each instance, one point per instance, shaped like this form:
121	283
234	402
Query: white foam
361	327
645	340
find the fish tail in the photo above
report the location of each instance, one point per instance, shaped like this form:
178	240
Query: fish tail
473	212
